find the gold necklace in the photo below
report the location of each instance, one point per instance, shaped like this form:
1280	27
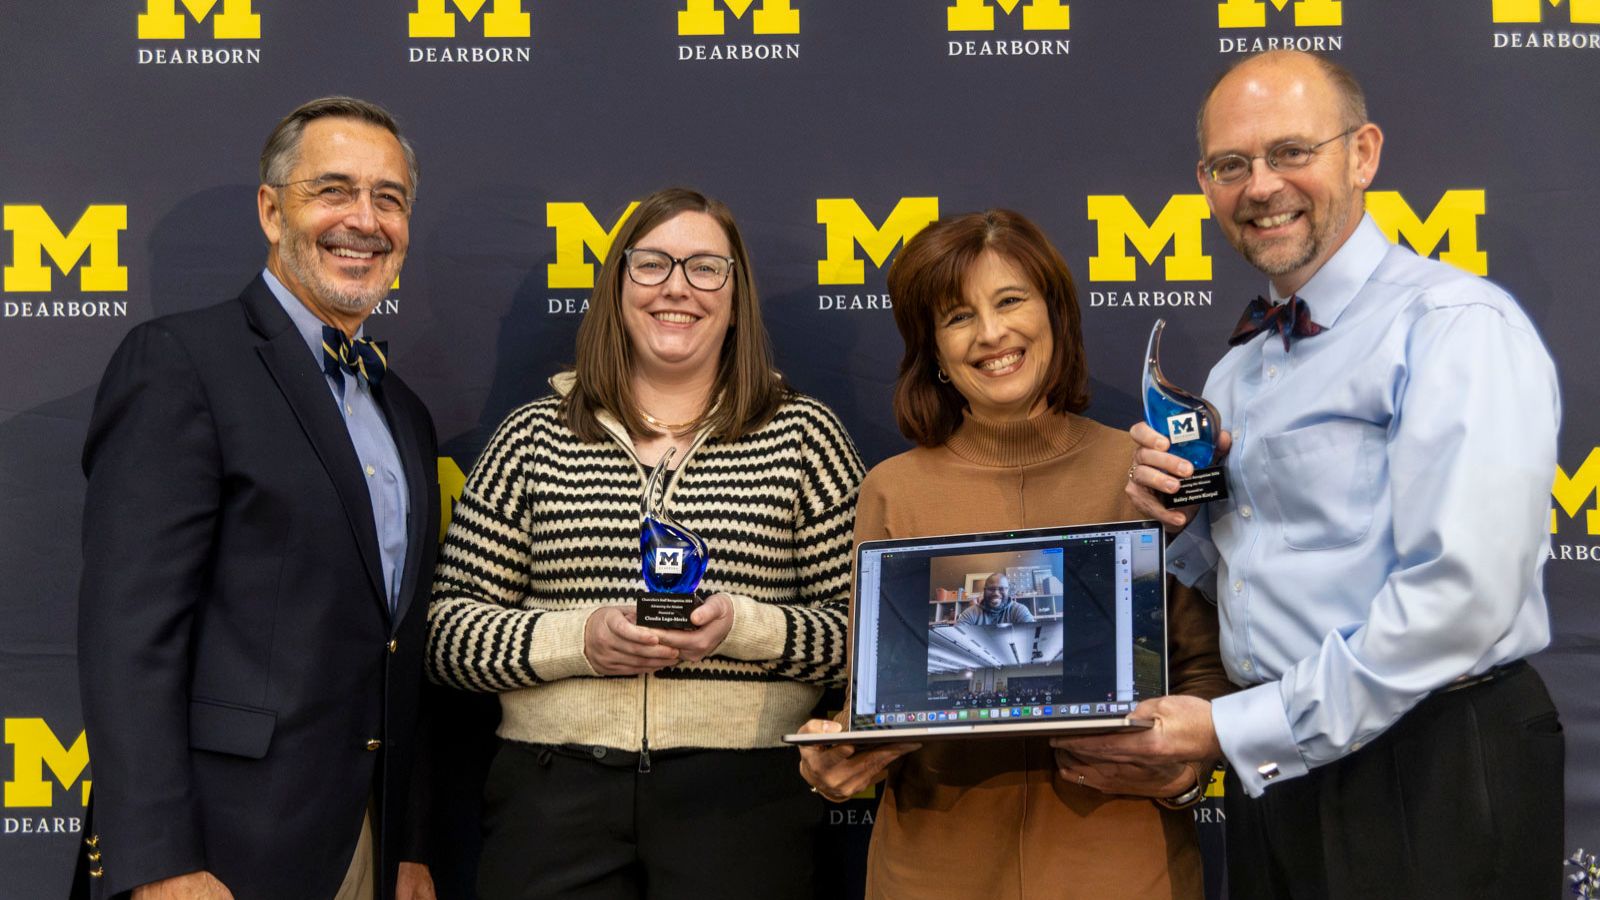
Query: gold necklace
669	427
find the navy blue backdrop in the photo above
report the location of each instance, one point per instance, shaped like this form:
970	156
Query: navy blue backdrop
834	129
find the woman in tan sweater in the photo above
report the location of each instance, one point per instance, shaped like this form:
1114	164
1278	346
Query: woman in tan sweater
989	388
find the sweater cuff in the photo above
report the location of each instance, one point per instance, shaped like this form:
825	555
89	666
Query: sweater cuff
758	631
557	650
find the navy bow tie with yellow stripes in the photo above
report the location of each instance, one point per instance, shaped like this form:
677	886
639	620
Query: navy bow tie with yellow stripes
364	358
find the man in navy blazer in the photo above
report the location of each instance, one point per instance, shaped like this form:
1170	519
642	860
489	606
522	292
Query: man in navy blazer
259	538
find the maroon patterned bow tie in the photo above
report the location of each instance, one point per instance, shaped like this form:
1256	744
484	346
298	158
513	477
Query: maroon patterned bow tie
1292	317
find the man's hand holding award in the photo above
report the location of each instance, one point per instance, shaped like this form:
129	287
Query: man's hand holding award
1192	427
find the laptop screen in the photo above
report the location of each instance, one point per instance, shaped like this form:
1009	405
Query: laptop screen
1049	623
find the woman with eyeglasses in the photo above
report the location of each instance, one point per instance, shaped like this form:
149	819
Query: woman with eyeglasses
991	383
640	761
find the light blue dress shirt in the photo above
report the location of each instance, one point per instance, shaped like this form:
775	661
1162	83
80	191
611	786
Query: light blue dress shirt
1390	506
369	434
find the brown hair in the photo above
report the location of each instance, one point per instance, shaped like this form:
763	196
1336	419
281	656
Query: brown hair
282	149
747	390
927	279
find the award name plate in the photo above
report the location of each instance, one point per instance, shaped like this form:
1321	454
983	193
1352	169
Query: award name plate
1190	422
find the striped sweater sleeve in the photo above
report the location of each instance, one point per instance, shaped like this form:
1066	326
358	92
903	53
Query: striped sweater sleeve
805	641
480	636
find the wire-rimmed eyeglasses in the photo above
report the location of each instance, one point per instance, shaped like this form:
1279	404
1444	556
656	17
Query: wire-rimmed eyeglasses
1235	167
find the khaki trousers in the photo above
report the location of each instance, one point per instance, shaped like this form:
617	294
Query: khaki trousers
361	879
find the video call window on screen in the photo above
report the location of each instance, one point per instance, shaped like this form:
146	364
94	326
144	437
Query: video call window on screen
1064	624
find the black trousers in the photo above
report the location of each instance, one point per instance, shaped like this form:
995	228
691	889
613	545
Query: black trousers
1461	798
704	824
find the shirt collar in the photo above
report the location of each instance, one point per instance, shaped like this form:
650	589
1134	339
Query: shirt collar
305	322
1331	289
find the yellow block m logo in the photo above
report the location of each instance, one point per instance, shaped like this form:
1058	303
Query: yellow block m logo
161	20
34	234
1119	224
1569	493
34	746
505	18
1037	15
577	228
452	481
701	17
1455	215
1253	13
848	226
1583	12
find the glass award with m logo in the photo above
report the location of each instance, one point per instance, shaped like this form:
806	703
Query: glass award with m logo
672	558
1190	422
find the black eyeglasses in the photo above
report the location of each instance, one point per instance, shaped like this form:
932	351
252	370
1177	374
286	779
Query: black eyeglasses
1235	167
706	271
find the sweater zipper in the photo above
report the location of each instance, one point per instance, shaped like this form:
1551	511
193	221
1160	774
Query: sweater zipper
644	731
627	447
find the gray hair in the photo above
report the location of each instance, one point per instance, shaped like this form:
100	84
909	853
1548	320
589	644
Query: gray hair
282	149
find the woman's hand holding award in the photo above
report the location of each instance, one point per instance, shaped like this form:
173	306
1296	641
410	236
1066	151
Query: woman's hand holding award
672	557
1190	423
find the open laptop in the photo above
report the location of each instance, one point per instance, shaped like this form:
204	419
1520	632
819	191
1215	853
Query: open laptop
1040	632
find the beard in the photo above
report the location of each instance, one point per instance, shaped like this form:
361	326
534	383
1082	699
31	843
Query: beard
1280	256
298	250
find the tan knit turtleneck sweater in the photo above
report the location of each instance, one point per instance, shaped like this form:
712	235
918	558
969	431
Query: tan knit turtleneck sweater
990	818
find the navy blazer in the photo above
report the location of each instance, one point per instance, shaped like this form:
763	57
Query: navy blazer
246	690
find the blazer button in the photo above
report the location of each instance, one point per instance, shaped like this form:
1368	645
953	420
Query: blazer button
92	840
94	856
374	744
393	646
97	872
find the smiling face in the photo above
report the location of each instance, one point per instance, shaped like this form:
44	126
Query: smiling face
676	329
338	262
1286	223
995	342
996	591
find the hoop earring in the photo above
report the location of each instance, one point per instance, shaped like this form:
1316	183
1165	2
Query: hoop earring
943	378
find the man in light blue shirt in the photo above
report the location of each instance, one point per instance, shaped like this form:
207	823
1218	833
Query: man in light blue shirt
374	444
1378	565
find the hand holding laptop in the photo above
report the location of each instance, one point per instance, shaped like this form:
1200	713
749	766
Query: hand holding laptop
840	771
1132	779
1180	732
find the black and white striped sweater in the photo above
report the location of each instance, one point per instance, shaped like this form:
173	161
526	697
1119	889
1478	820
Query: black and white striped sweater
547	530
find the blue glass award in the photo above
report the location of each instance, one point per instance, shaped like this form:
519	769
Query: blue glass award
672	557
1190	422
